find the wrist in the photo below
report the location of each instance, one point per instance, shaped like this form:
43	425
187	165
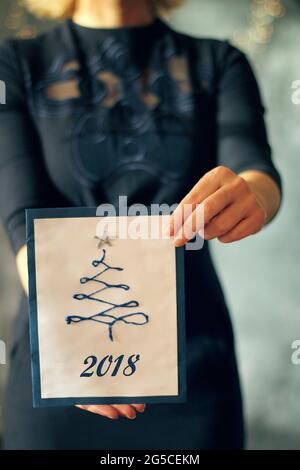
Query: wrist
265	190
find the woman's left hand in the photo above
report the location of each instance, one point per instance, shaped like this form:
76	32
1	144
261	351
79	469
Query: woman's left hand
234	206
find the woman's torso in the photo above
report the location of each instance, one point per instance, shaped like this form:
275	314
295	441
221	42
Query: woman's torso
121	112
129	112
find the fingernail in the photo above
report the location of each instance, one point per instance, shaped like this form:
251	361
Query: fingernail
131	416
167	230
142	409
113	416
177	241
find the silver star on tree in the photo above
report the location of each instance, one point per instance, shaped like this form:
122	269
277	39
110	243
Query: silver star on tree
104	239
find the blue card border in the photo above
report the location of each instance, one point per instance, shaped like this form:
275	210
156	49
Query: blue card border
38	401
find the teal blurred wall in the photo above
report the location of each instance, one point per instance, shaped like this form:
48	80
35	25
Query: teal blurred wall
260	275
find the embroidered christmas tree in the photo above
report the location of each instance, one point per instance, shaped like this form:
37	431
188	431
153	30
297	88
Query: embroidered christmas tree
111	313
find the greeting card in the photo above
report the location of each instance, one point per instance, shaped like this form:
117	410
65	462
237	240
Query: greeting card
106	298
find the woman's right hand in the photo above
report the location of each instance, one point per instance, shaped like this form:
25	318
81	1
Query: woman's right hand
114	411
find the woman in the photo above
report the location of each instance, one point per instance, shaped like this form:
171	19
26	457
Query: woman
114	102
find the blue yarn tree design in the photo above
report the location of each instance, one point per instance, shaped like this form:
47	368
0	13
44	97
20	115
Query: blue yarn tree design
107	316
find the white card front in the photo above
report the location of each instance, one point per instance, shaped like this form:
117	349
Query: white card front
103	311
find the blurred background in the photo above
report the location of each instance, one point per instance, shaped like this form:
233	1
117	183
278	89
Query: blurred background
260	275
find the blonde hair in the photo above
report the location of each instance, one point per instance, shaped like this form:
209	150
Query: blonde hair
59	9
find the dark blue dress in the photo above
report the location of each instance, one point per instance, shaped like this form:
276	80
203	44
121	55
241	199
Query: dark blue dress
145	111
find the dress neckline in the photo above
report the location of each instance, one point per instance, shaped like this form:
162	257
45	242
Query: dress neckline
154	27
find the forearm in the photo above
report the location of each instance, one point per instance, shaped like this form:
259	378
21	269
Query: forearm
266	191
21	261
